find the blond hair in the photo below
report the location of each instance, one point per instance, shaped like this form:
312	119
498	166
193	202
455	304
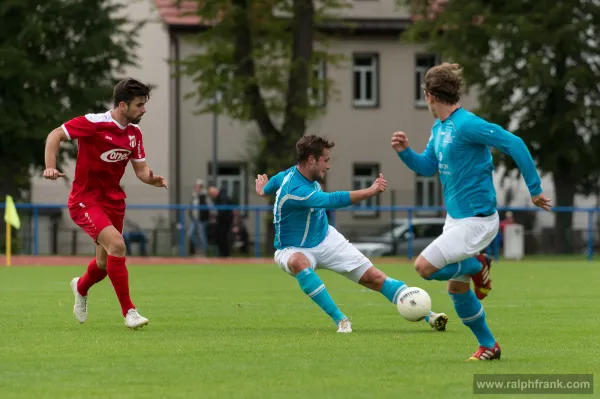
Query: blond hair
444	82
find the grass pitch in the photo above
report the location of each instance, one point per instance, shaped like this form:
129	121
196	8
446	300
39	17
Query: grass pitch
247	331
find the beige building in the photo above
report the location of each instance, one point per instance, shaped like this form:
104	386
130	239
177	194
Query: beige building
378	93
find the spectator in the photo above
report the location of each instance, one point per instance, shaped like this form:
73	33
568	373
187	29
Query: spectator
224	221
132	233
199	218
241	238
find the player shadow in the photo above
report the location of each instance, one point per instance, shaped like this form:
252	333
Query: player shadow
376	330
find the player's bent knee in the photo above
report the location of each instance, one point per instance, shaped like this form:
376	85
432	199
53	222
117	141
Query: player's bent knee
424	268
116	247
112	241
298	262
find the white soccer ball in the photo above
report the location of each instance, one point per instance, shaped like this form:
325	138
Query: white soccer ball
414	304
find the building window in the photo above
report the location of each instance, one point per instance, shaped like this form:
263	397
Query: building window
231	177
423	63
428	192
363	176
316	91
365	80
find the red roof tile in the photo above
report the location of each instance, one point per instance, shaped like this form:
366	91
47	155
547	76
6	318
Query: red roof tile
182	14
173	14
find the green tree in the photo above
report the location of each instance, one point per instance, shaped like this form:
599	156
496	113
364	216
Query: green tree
535	68
58	59
259	55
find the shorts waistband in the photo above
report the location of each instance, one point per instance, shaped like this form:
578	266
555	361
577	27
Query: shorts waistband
483	215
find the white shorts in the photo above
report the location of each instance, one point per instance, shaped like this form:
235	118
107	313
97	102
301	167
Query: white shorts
462	239
335	253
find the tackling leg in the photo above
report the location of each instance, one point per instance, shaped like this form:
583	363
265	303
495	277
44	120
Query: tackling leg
391	288
312	285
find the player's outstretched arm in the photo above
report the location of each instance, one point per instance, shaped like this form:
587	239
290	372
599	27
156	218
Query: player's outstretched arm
482	132
261	182
305	197
146	175
424	164
378	186
266	186
53	141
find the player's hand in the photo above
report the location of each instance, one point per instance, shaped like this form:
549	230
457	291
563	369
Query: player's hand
157	180
52	174
380	184
399	141
261	182
541	202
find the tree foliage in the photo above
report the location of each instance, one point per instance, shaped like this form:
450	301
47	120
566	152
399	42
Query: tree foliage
58	59
259	56
536	68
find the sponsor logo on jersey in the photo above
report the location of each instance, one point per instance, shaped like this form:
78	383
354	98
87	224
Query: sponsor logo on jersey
115	155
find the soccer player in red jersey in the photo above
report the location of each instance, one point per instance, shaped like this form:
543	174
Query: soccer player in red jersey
106	142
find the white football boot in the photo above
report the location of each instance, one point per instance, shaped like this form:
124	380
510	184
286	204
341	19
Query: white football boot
438	321
344	326
134	320
80	307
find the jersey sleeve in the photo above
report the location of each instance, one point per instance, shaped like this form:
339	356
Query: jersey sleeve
79	127
480	131
139	154
425	164
274	183
308	197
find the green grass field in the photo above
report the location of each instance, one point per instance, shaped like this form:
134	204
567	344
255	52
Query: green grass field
247	331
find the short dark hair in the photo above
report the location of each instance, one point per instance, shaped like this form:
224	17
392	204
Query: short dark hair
128	89
311	145
444	82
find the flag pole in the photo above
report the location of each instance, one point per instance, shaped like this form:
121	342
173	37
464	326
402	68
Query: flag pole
8	244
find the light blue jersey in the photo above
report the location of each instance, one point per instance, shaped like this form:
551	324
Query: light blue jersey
299	211
459	149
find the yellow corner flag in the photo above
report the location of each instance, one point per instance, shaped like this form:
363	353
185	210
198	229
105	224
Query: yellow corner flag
11	217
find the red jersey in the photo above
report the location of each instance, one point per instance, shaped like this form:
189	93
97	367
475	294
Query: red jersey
104	150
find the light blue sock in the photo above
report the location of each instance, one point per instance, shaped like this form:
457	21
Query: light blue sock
471	313
392	289
453	270
313	286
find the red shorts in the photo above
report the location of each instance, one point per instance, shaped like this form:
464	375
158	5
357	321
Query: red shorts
93	218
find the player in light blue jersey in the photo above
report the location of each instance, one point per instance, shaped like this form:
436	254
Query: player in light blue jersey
304	240
459	150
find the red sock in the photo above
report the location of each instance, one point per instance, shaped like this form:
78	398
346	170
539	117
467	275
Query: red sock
92	276
119	277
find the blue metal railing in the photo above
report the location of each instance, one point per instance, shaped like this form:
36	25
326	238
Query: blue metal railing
258	209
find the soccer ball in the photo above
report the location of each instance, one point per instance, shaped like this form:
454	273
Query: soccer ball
414	304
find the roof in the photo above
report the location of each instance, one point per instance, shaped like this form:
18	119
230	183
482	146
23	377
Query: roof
183	15
173	14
